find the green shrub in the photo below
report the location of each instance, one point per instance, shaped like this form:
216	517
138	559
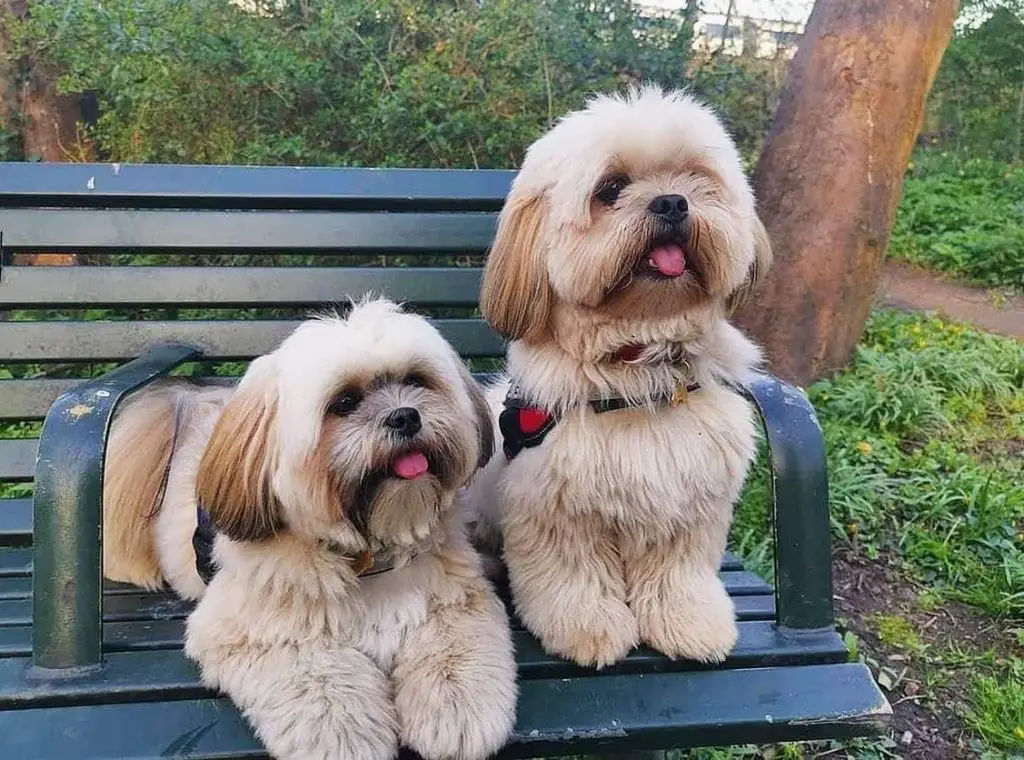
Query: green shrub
367	82
965	218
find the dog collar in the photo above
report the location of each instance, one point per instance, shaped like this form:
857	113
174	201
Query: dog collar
524	424
365	564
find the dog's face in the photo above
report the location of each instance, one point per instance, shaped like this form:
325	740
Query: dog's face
631	211
348	423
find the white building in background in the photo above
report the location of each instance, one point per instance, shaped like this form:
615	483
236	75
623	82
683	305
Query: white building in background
760	28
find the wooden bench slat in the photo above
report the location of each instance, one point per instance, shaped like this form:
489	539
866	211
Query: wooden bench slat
25	287
230	340
15	527
282	231
18	459
555	716
738	583
15	562
180	186
134	604
168	675
30	399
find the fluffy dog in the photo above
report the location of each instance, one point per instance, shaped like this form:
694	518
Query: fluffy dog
628	238
347	611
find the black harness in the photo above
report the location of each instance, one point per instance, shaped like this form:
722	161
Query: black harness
524	424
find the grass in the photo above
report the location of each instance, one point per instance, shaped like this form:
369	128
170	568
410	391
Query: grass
997	711
963	217
925	438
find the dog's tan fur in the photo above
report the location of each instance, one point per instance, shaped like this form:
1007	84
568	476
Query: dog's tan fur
614	527
325	663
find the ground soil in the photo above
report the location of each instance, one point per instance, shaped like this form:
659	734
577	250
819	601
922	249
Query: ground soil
997	310
925	695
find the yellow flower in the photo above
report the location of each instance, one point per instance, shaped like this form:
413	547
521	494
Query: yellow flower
852	528
922	344
864	448
1019	732
916	329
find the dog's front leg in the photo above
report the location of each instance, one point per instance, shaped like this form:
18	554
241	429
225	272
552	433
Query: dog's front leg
567	585
681	605
306	700
454	676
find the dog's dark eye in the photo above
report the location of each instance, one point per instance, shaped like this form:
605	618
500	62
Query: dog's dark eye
610	189
346	403
416	380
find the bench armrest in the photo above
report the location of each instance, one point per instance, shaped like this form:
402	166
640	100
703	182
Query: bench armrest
67	593
803	552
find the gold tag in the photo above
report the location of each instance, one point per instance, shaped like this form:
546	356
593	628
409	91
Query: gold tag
362	562
680	395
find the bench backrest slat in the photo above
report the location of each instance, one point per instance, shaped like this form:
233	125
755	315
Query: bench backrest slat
156	186
238	287
167	230
229	340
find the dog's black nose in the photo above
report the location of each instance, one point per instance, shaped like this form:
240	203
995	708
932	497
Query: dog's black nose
671	208
404	421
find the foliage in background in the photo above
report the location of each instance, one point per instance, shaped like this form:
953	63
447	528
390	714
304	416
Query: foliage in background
367	82
965	217
976	105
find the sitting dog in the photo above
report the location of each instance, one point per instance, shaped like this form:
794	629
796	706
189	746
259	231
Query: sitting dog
628	238
347	611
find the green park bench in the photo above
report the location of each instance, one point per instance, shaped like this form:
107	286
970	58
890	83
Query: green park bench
95	670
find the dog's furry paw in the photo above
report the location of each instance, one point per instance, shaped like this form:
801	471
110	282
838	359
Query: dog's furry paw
447	722
455	682
597	637
698	625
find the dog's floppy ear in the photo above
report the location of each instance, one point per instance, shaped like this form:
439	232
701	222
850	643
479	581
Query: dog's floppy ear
758	268
233	483
515	298
484	417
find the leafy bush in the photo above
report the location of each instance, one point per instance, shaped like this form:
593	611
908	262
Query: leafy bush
963	217
367	82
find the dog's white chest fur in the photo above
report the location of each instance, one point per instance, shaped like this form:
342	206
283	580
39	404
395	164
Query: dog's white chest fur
640	466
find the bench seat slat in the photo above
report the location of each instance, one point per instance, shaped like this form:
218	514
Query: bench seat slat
148	664
134	604
236	287
283	231
219	339
555	716
737	582
194	186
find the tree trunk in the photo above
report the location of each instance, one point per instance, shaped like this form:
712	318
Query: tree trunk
8	78
831	173
49	122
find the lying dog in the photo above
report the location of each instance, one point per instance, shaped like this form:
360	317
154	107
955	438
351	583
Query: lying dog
346	611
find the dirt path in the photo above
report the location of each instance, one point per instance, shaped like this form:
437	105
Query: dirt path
996	310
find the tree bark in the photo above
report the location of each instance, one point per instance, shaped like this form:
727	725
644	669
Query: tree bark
8	76
49	121
831	173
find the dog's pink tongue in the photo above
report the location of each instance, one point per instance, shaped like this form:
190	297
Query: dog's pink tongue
668	259
411	465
